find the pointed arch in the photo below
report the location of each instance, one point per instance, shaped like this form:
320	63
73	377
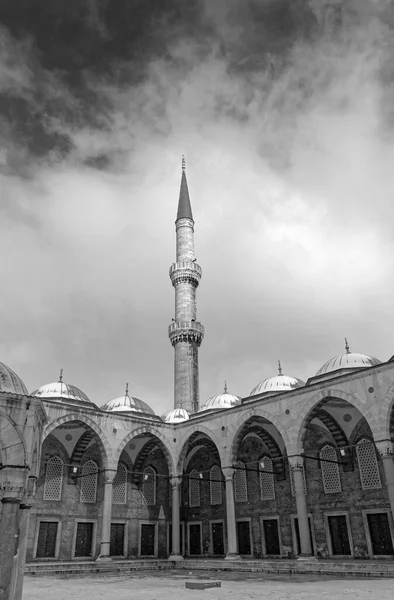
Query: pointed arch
194	439
147	430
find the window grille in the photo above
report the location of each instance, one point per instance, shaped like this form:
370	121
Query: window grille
330	470
368	465
267	483
194	489
292	481
149	486
89	482
216	485
240	483
119	487
53	479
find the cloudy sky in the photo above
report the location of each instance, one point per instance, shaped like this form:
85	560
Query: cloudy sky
284	110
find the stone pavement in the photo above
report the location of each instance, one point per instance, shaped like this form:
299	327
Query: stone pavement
235	586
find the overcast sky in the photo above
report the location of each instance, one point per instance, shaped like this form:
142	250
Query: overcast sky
284	111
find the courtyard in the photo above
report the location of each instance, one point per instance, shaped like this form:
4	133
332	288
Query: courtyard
234	586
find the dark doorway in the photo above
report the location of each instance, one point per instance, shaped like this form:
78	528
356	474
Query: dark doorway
83	543
243	531
170	539
379	530
217	538
339	535
116	547
195	539
271	536
46	545
297	535
148	539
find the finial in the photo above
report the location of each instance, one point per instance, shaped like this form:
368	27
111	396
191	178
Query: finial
225	386
347	347
61	376
180	403
279	368
183	162
127	389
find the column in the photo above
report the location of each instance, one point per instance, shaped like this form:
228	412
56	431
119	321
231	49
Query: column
386	451
297	469
8	546
24	518
232	539
176	522
109	476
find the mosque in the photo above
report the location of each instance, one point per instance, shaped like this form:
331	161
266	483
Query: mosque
295	470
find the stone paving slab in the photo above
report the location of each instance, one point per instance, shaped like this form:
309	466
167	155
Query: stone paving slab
235	586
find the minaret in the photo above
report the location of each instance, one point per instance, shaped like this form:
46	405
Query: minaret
185	332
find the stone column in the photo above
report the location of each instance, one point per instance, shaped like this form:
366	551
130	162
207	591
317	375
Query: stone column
386	451
8	544
232	539
24	518
176	522
109	476
297	469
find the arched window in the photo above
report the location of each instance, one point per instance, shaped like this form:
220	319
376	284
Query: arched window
119	486
330	470
292	481
216	485
194	488
53	479
267	483
240	483
149	486
89	482
368	465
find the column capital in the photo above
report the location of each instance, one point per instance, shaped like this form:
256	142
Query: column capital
296	462
175	481
109	475
228	473
385	448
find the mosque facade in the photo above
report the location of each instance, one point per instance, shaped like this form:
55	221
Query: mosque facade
294	470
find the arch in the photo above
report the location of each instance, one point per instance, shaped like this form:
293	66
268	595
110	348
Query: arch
10	438
105	446
81	446
388	425
193	440
153	432
333	427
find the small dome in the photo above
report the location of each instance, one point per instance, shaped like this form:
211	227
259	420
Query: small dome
127	404
278	383
224	400
349	360
10	382
176	415
61	391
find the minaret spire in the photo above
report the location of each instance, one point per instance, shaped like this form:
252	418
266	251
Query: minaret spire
185	332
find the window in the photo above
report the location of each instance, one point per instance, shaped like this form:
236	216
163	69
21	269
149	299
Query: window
330	470
194	488
89	482
53	479
119	487
368	465
267	483
149	486
292	481
216	485
240	483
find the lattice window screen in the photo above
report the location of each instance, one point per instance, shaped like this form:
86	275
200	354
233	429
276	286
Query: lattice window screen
119	487
292	482
267	483
89	482
149	486
240	483
53	479
194	489
368	466
330	471
216	485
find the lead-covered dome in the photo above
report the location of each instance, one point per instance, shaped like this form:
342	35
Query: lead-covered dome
220	401
61	391
10	381
349	360
176	415
278	383
127	404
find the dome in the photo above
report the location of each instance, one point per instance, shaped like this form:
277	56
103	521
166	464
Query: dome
224	400
127	404
62	391
10	382
176	415
278	383
349	360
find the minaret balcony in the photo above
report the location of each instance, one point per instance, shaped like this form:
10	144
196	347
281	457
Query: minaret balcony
186	331
185	271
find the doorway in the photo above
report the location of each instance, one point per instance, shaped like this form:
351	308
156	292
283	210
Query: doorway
47	537
243	532
339	535
147	539
217	538
116	547
195	539
84	539
380	534
271	536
